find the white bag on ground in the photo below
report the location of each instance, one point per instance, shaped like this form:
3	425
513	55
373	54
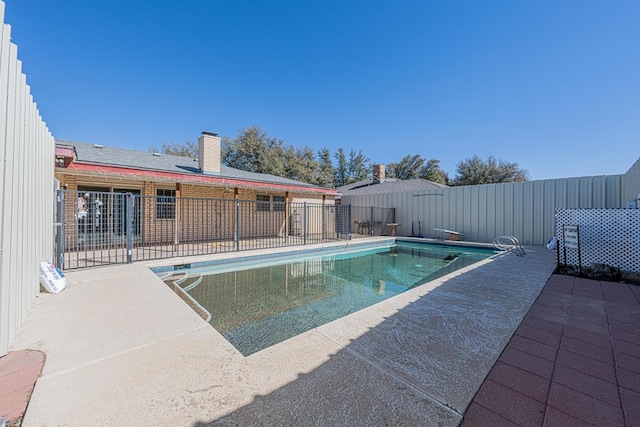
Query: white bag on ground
51	278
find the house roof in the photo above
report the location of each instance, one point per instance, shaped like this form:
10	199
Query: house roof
93	154
389	185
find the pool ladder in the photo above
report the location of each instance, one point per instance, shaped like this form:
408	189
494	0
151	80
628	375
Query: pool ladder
509	243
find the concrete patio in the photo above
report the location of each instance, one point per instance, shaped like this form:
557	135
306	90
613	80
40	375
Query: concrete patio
121	347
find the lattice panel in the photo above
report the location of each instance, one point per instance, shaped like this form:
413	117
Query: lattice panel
607	236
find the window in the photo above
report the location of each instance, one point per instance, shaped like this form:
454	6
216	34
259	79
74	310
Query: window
262	203
278	203
165	204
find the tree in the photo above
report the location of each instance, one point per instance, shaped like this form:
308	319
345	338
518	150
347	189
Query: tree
341	172
359	166
325	168
474	171
408	168
186	149
353	169
253	150
415	166
432	172
301	164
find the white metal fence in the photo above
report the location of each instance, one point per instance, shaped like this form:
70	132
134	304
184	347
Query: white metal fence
26	191
482	212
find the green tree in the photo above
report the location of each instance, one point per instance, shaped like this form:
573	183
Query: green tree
341	171
325	168
186	149
431	171
301	164
253	150
408	168
415	166
358	167
353	169
474	171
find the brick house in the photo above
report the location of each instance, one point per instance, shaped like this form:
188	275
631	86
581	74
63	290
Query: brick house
180	196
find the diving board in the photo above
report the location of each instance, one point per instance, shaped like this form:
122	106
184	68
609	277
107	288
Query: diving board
453	235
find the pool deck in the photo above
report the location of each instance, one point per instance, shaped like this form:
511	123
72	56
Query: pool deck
121	347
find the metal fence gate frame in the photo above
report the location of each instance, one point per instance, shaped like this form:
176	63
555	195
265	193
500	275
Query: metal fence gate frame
103	228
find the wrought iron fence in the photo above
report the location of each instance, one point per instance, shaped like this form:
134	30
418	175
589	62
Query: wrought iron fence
101	228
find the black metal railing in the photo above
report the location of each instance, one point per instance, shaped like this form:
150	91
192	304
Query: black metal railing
101	228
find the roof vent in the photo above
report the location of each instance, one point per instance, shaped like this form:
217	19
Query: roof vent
98	146
157	154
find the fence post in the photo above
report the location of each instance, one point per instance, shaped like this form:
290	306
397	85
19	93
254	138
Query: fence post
59	229
287	218
304	223
237	231
129	227
324	223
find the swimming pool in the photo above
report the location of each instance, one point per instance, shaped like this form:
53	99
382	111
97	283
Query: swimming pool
256	306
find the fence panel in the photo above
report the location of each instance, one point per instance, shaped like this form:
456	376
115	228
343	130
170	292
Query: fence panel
524	210
101	228
26	191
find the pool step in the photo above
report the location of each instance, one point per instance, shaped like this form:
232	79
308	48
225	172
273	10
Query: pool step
191	282
181	283
184	280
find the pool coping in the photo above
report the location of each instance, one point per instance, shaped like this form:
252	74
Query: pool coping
170	265
289	251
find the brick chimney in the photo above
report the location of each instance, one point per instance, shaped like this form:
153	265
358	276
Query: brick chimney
378	174
209	153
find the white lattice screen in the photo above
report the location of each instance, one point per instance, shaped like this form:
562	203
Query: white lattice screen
607	236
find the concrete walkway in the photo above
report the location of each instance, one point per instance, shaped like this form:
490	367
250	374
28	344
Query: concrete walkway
574	361
123	348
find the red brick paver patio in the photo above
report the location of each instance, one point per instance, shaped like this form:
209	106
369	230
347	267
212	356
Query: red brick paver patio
19	371
573	361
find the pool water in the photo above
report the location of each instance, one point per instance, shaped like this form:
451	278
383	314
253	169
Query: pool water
260	306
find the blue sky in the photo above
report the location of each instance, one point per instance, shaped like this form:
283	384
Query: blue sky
551	85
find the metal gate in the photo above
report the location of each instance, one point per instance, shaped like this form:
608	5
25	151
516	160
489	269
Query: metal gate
100	228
